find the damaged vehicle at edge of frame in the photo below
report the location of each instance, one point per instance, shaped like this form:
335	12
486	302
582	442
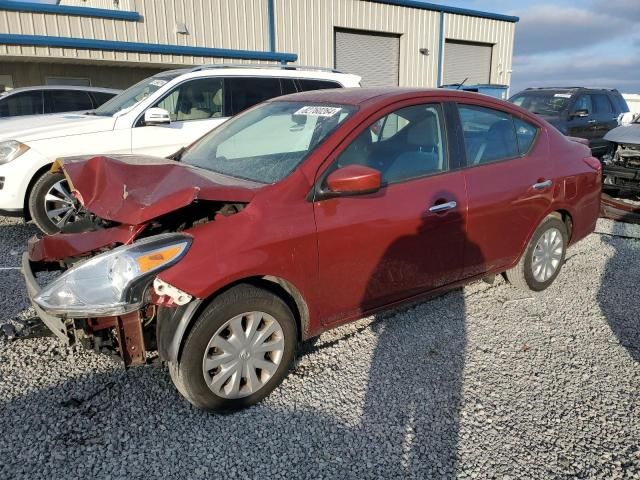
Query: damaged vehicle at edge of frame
621	164
225	260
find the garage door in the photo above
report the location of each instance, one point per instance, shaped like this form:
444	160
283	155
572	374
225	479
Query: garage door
467	60
373	56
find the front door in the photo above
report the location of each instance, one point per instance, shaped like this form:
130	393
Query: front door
583	126
408	238
195	108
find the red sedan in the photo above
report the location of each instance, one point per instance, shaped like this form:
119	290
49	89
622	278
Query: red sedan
301	214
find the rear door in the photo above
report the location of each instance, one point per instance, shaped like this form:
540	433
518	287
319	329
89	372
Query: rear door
582	127
509	177
383	247
195	106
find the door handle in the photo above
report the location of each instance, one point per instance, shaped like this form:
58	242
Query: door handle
542	185
441	207
592	121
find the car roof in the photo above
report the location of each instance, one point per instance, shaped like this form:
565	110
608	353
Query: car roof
567	89
62	87
263	70
358	96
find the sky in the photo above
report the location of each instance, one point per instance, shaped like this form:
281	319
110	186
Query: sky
591	43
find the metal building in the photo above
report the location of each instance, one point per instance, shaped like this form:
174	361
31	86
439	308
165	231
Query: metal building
113	43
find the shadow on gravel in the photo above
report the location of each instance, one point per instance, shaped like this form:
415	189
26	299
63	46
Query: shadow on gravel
618	295
135	425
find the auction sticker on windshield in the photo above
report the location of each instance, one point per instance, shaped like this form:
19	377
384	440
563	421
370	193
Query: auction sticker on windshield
157	83
317	111
563	95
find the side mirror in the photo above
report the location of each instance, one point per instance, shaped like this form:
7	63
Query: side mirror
157	116
354	180
580	113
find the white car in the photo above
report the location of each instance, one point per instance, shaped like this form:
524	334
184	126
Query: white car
157	116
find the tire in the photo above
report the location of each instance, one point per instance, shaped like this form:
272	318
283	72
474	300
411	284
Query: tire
524	276
38	205
240	307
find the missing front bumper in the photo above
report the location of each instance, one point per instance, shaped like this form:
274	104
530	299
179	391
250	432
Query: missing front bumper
55	324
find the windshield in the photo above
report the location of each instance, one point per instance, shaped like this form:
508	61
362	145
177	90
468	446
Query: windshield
134	94
268	142
547	103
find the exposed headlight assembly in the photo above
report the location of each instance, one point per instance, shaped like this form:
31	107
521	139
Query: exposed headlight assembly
112	283
10	150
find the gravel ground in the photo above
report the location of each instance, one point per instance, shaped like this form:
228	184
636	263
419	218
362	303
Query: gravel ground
485	382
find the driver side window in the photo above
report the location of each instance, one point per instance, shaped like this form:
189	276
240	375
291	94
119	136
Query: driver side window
406	144
195	100
583	103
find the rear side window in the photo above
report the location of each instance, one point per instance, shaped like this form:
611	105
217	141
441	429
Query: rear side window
602	103
288	86
243	93
526	134
101	97
310	84
26	103
66	101
489	135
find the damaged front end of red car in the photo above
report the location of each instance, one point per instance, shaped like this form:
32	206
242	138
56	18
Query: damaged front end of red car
106	294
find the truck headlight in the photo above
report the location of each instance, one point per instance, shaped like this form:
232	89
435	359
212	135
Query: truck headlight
10	150
114	282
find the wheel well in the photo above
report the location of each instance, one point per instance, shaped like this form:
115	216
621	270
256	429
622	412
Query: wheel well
34	179
279	287
566	217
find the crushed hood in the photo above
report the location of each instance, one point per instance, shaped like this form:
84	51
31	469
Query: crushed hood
625	134
41	127
134	189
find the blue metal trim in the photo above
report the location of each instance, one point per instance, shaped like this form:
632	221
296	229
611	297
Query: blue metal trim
92	44
440	48
272	25
445	9
69	10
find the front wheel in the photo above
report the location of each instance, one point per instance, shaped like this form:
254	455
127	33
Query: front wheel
51	204
543	258
240	348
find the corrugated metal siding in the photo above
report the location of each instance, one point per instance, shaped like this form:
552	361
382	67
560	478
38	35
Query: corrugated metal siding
473	29
109	4
306	27
221	23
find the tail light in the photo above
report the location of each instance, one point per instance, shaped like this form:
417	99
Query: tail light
593	163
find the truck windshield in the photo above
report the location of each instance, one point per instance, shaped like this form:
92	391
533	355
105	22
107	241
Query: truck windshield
134	94
548	103
268	142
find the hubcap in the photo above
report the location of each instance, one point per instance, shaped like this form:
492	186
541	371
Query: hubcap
60	206
243	355
547	255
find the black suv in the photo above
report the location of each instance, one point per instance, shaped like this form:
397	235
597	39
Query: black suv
578	112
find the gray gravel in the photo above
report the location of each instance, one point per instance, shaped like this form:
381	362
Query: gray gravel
485	382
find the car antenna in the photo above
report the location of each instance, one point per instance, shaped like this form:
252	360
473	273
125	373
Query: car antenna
461	84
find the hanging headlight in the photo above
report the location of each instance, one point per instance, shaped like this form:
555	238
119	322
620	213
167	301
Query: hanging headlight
112	283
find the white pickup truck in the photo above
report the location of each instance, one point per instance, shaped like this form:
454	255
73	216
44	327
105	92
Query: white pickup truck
157	116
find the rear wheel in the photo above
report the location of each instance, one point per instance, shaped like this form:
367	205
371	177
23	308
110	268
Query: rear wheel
543	258
240	348
51	204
